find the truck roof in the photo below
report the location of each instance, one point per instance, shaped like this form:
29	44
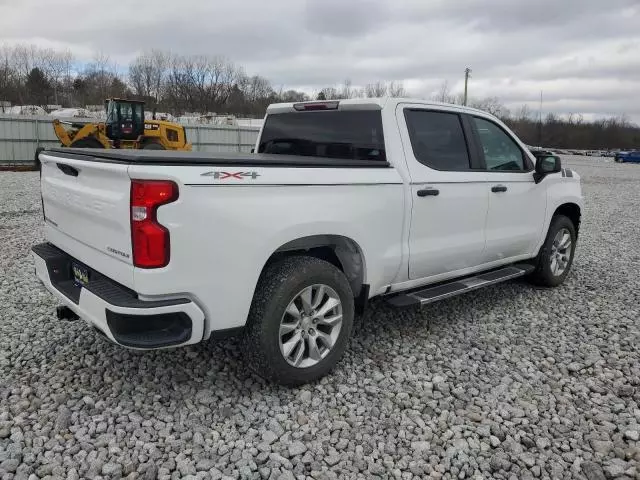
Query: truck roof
376	103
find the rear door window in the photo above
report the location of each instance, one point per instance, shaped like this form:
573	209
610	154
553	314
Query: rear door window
351	134
438	140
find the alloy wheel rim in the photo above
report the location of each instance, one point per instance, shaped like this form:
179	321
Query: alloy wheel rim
310	326
560	252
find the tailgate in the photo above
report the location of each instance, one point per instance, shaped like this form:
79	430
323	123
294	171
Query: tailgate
86	208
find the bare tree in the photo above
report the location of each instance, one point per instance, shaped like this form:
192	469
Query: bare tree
223	75
490	105
396	89
24	59
524	113
256	88
374	90
346	90
444	93
147	74
102	72
329	93
55	65
292	96
9	81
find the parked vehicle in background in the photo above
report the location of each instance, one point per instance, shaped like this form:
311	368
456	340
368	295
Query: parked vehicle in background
126	127
630	157
541	153
343	201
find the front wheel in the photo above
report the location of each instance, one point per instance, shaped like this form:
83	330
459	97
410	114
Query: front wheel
300	320
554	261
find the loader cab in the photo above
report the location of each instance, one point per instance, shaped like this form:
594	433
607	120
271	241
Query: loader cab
125	119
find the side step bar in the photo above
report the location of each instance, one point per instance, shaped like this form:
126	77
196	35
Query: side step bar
459	286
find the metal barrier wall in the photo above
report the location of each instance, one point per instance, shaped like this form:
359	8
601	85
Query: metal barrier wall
21	135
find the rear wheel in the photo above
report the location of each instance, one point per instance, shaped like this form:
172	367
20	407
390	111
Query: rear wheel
152	146
556	255
300	320
87	142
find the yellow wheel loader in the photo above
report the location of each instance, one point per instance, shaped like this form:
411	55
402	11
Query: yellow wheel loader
125	127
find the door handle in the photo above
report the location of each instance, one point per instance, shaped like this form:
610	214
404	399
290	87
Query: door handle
428	192
498	188
68	169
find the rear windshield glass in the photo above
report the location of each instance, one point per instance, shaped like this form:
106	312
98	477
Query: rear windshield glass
353	135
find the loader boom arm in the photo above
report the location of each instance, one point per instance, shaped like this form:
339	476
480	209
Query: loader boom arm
78	132
62	133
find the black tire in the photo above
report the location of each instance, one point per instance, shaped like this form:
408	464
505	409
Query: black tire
87	142
152	146
278	286
543	274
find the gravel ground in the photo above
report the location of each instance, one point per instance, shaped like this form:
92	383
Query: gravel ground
510	382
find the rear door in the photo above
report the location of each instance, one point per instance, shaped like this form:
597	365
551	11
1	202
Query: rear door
517	205
449	195
86	209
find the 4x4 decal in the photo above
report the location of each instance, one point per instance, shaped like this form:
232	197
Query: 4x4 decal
219	175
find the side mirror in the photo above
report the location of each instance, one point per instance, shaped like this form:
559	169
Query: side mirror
546	165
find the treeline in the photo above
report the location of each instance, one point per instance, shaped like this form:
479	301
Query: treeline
180	84
570	131
574	132
171	83
30	75
200	83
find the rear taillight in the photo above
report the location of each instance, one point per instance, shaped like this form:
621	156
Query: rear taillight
149	239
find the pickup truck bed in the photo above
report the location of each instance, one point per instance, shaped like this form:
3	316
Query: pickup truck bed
173	158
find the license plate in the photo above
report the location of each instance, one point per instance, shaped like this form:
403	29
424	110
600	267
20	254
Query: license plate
80	274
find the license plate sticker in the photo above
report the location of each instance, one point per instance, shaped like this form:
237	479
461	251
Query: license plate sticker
80	274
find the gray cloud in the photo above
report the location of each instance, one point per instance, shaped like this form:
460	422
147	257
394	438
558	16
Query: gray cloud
585	55
345	18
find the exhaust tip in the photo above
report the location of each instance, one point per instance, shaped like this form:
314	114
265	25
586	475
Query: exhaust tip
65	313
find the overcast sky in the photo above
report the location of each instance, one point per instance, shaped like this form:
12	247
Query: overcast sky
583	54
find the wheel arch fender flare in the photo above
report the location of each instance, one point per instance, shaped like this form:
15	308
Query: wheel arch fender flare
570	207
344	252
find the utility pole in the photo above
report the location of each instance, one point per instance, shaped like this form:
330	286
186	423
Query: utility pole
467	74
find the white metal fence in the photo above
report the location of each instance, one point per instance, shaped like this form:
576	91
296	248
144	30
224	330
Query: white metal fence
21	135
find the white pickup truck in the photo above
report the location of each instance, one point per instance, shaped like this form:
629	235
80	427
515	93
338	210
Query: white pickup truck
342	201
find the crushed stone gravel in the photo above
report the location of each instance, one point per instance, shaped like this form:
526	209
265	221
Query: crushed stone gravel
509	382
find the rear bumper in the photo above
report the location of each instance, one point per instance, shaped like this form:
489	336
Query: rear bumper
114	309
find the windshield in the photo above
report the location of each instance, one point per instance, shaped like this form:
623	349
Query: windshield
335	134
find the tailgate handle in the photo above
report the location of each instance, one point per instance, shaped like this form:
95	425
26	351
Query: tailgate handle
68	169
